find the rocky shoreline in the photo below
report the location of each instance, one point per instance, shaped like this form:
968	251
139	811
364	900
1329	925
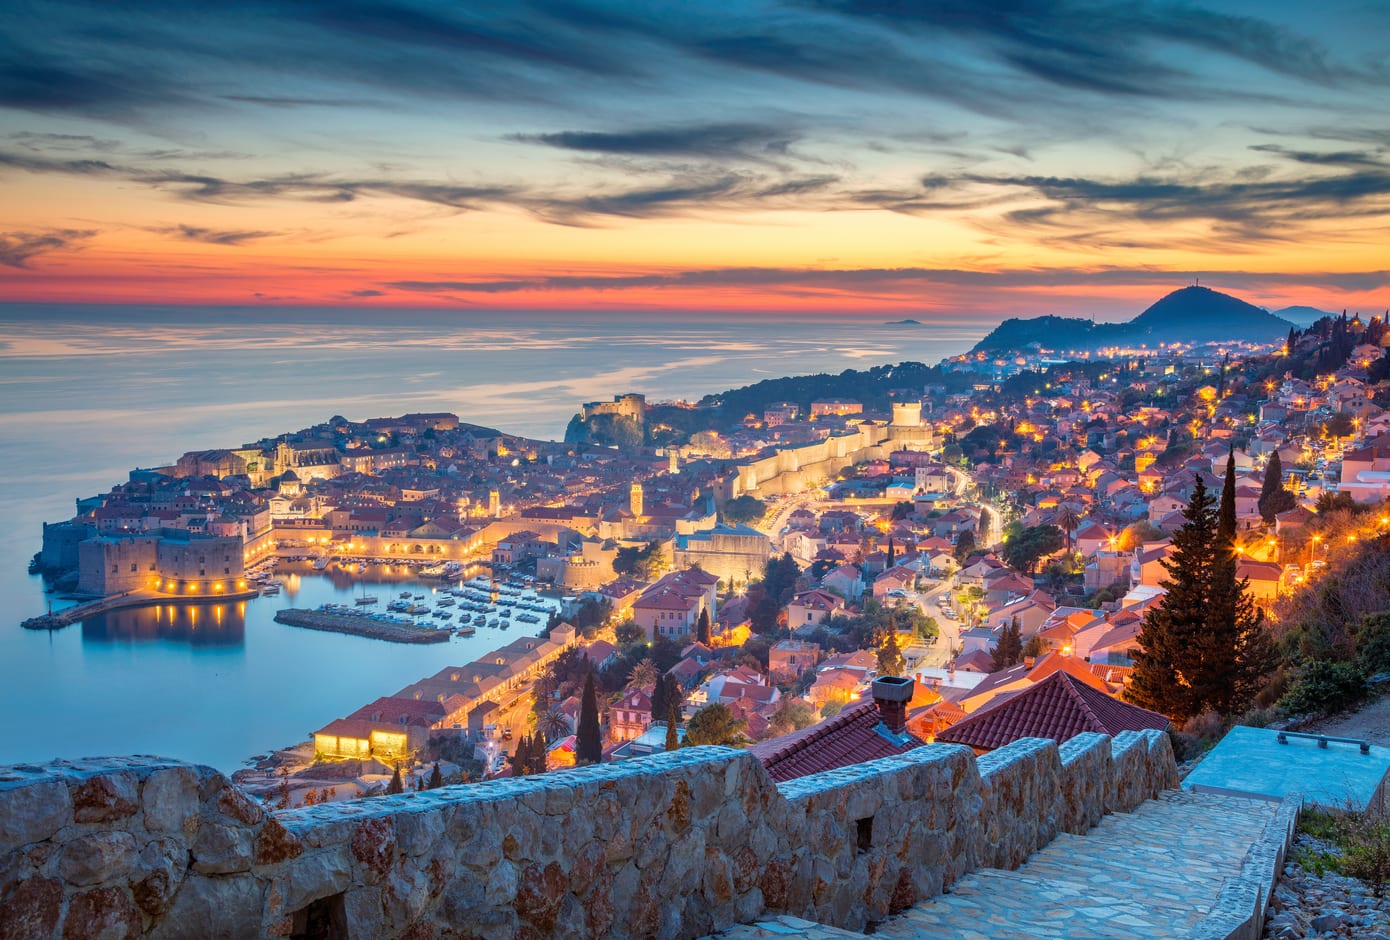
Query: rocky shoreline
1307	904
359	626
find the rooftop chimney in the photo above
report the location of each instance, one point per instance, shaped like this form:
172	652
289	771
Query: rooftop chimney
891	695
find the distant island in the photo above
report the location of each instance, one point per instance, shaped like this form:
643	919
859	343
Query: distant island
1190	315
906	322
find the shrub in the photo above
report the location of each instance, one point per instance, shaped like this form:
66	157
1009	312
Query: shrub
1324	688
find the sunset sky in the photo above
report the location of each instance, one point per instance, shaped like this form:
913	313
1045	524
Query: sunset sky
945	158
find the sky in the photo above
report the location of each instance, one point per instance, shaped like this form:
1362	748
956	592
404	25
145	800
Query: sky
951	158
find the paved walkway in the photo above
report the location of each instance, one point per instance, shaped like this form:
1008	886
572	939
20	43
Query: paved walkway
1152	873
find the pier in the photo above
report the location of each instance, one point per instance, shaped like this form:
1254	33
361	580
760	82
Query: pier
66	617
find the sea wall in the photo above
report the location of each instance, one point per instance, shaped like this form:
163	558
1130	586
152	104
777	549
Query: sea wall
673	846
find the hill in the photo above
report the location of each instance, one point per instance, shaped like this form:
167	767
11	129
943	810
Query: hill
1189	315
1303	316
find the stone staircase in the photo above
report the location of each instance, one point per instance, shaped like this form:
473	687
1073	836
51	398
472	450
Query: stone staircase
1184	865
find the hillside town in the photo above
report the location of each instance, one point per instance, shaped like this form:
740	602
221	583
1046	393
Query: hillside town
828	580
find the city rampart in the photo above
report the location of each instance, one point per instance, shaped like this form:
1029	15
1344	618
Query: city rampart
673	846
793	469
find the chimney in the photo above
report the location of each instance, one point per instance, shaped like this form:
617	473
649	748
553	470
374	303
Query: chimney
891	695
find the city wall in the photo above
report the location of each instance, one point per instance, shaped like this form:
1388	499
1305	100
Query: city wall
673	846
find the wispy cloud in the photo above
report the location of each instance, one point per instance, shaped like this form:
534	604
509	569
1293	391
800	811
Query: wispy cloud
890	279
724	141
18	248
210	236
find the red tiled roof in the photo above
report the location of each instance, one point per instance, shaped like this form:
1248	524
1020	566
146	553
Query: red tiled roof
851	737
1060	707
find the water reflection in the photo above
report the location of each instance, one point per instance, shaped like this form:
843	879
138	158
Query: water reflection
199	625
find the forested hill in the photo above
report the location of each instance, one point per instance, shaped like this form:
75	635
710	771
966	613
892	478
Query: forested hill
1189	315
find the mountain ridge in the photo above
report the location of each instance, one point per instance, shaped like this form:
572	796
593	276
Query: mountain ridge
1190	315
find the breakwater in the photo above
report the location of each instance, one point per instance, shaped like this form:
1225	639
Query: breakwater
360	626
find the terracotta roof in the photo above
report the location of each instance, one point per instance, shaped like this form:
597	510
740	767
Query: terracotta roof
1060	707
851	737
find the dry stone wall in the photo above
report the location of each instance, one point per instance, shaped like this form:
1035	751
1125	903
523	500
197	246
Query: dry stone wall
673	846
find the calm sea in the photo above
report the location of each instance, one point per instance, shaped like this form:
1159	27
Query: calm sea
87	393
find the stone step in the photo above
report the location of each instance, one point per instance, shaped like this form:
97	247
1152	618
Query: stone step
1070	912
1153	873
1119	853
783	926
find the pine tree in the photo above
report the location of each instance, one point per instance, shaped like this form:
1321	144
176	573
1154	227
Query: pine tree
1009	650
702	628
396	786
436	778
1169	660
588	743
673	738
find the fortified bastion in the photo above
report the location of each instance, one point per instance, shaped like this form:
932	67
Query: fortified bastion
677	845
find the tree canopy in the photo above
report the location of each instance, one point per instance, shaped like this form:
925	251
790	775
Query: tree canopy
744	510
715	724
1025	547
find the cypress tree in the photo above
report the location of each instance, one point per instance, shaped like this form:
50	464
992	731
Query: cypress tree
673	740
521	758
702	627
1169	659
588	744
659	696
1274	498
538	755
1240	653
1214	686
396	786
888	562
436	778
1009	650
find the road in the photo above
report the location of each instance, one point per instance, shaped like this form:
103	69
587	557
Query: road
992	519
948	640
772	525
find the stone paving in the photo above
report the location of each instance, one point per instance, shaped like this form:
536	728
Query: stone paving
1152	873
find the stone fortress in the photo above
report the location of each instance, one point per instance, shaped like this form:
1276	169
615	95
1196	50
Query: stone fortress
171	561
678	845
